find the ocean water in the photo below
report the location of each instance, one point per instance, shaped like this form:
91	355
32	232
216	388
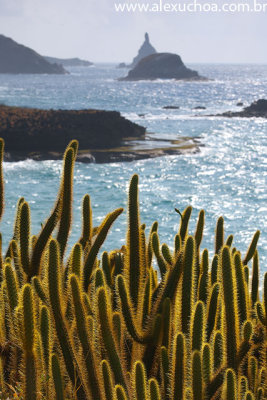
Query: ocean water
226	177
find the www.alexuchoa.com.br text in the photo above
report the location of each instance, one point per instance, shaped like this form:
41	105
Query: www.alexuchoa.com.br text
194	6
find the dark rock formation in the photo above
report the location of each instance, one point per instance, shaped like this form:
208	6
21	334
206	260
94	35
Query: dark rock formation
122	65
104	136
18	59
162	66
199	108
28	130
256	109
239	104
69	62
145	50
171	108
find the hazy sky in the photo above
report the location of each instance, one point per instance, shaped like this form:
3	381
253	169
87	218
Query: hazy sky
93	30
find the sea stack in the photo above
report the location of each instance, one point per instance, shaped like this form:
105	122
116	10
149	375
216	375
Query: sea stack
18	59
145	50
162	66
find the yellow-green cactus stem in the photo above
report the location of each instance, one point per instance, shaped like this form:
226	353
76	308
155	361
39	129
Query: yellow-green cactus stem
230	386
197	376
178	368
139	381
57	377
219	235
99	240
188	283
252	247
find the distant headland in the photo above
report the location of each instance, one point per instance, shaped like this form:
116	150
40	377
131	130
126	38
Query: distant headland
69	62
18	59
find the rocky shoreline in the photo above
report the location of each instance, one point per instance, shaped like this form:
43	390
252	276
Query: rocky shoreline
104	136
257	109
100	156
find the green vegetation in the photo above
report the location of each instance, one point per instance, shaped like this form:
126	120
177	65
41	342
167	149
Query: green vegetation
144	322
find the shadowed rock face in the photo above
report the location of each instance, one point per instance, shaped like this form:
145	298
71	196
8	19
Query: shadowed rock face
145	50
162	66
259	106
32	130
18	59
69	62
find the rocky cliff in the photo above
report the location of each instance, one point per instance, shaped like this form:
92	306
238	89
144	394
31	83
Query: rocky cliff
18	59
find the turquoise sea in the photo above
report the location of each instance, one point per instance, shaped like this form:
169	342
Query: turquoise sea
228	176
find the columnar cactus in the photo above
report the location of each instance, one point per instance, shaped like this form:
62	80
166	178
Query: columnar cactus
143	322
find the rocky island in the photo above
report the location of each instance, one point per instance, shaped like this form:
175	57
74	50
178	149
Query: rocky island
69	62
104	136
257	109
162	66
18	59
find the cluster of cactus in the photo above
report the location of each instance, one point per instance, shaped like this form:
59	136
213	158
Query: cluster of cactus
143	322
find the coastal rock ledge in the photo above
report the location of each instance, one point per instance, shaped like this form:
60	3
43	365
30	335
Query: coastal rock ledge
44	134
162	66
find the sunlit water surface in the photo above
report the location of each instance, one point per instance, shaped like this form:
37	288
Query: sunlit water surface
226	177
